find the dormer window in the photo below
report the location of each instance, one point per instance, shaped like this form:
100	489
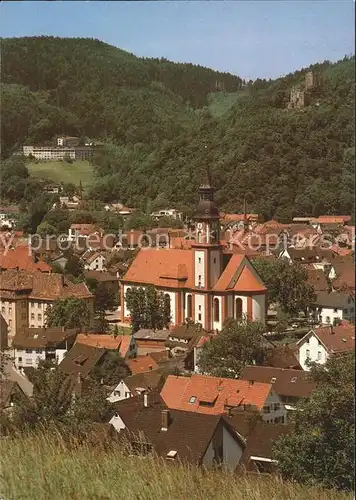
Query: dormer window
293	380
273	379
192	399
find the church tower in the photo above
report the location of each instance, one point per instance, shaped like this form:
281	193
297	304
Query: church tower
207	250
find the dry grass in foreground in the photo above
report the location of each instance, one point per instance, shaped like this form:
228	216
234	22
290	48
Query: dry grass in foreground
42	468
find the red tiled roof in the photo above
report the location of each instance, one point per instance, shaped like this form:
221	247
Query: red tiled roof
21	257
142	364
332	219
336	339
162	267
190	394
120	343
239	275
41	285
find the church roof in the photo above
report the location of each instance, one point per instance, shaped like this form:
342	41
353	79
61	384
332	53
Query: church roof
240	276
167	268
172	268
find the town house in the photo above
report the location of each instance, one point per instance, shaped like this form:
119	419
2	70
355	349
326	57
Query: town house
214	396
25	296
32	345
321	343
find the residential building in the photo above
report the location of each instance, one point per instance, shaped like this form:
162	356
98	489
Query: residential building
32	345
330	308
22	257
290	385
123	344
77	231
53	153
81	359
170	212
10	394
93	261
283	356
142	364
25	296
68	141
148	341
258	453
214	396
135	385
68	202
321	343
178	436
59	152
203	284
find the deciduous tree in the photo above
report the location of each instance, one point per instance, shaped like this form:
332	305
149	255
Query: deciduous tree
287	284
238	344
321	447
69	313
148	308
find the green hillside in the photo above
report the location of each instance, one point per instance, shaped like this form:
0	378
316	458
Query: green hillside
164	122
61	172
40	468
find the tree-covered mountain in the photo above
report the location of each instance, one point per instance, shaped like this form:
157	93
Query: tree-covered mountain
164	122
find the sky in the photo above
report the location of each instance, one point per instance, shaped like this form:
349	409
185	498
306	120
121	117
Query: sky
252	39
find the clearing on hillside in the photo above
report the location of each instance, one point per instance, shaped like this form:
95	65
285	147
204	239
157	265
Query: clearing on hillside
58	171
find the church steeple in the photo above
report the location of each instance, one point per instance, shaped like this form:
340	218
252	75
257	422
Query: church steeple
206	208
206	215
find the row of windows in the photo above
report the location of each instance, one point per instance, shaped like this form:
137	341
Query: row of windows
272	407
118	393
307	352
39	316
277	420
216	309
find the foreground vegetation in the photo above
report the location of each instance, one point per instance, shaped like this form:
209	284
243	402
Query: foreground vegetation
42	466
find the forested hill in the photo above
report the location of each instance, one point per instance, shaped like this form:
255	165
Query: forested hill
164	122
91	88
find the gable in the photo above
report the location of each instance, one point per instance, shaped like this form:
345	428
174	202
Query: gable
240	275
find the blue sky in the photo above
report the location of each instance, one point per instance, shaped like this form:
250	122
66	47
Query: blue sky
252	38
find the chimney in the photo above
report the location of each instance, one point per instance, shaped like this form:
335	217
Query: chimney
251	382
165	420
145	400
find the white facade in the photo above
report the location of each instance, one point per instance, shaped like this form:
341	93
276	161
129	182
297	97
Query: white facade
120	392
199	309
258	307
98	264
310	348
215	267
232	451
244	305
274	410
36	314
171	212
24	358
117	422
199	259
327	315
49	152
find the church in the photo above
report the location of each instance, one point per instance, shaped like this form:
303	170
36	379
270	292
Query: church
204	284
